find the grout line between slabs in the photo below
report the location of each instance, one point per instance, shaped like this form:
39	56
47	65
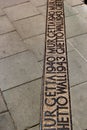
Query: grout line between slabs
14	54
8	32
33	36
9	111
4	111
78	84
77	5
14	27
21	84
2	15
79	52
32	126
26	17
41	5
76	35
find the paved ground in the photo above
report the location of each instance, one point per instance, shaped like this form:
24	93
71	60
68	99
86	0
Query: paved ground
22	28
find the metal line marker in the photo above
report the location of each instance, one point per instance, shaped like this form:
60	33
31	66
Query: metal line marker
56	106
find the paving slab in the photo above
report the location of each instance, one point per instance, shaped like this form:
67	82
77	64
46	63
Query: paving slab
77	68
36	44
38	2
75	25
69	11
10	44
5	25
75	123
79	96
74	2
80	43
6	3
82	9
42	10
24	104
18	69
69	46
21	11
6	122
31	26
2	104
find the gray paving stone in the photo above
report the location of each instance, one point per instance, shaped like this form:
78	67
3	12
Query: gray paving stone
2	104
69	46
18	69
1	12
36	44
80	43
75	25
5	25
10	44
77	68
75	123
29	27
38	2
69	11
24	104
6	3
6	122
21	11
42	10
74	2
79	105
82	9
41	64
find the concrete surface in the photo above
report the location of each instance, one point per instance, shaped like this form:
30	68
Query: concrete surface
22	36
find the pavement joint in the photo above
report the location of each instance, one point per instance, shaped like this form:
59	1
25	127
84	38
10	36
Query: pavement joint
77	5
26	17
32	36
27	128
14	27
79	53
21	84
76	35
40	60
14	54
81	83
4	111
8	110
41	5
8	32
2	15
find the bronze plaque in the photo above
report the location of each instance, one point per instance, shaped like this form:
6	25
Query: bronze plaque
55	107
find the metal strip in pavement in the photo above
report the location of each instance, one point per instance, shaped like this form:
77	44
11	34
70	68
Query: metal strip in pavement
55	105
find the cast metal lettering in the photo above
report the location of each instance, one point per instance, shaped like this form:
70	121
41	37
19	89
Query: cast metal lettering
55	111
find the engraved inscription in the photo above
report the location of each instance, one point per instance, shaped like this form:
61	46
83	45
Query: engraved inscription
56	112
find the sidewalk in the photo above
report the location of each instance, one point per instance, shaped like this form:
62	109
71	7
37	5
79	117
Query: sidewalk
22	34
